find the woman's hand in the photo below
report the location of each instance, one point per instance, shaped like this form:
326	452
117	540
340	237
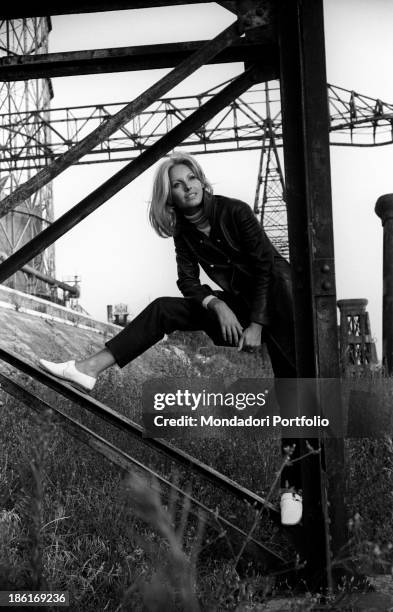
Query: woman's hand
230	327
251	337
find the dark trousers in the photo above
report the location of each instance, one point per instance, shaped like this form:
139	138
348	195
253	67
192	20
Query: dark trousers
168	314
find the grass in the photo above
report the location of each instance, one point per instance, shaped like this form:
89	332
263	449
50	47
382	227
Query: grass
69	520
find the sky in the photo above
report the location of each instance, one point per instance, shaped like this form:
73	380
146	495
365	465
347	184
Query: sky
115	251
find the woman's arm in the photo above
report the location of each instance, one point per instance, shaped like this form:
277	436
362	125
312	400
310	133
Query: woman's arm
191	287
188	272
258	254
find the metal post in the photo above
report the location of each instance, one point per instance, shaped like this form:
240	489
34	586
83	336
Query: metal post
132	170
115	122
384	210
120	59
307	167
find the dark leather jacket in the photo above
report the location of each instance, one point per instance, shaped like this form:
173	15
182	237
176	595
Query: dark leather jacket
239	257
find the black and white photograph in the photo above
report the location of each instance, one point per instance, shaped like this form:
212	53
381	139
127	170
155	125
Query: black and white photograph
196	305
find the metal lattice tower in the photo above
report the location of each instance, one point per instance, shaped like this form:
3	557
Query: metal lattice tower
269	203
27	36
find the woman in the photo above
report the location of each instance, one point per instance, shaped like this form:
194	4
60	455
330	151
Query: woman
222	236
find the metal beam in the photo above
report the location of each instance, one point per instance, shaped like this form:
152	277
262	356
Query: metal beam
69	7
230	5
120	59
123	423
113	123
355	120
130	172
121	459
73	290
305	116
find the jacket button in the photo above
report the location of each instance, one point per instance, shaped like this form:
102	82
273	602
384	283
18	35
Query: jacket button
212	265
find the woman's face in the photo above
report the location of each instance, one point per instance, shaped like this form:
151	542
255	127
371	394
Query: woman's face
186	188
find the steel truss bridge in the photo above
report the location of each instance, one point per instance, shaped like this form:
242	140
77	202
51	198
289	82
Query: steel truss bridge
31	140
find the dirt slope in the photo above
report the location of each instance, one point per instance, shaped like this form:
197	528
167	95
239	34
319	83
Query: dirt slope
32	337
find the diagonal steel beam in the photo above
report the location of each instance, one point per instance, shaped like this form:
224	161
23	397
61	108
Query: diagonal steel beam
113	123
120	458
29	270
123	423
130	172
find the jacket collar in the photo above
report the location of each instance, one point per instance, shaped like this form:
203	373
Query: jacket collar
183	225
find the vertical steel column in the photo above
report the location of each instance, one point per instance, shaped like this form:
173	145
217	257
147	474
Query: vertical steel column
384	210
307	167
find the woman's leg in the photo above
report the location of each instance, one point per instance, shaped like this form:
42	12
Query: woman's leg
163	316
95	364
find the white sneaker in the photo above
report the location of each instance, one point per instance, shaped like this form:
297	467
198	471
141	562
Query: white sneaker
291	505
68	371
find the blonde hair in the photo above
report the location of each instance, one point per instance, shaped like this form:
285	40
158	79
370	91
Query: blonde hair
162	213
